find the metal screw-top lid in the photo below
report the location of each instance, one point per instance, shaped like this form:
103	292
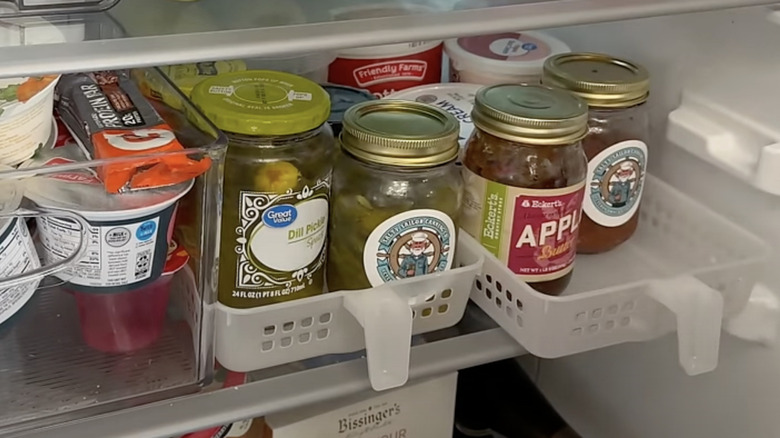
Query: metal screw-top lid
400	133
531	114
602	80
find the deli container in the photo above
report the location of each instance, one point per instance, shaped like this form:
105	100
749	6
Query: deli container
386	69
341	99
26	106
129	232
20	267
502	58
51	369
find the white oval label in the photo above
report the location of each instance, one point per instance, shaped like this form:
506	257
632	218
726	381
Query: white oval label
616	181
409	244
296	244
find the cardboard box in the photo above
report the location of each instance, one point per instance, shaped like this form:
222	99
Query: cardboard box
419	410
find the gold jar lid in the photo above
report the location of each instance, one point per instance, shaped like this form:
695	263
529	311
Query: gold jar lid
531	114
400	133
602	80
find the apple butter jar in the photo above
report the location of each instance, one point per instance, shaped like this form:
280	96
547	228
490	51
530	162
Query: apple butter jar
616	91
524	173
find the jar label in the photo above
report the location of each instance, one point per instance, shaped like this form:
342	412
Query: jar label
280	241
533	231
409	244
616	181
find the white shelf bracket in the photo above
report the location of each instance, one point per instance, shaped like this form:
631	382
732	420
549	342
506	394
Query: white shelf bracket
699	311
387	323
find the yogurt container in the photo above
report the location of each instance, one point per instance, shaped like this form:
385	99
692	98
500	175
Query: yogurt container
341	98
17	252
20	267
128	234
509	57
383	70
455	98
26	105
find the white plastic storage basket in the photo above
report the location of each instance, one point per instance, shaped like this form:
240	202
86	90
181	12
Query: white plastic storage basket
381	320
683	269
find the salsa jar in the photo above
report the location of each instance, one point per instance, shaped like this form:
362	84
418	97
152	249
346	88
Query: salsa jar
616	91
524	172
277	177
396	194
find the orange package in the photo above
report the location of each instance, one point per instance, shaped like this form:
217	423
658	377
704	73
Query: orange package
110	118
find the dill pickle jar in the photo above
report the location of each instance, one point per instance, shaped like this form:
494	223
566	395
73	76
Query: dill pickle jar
396	194
276	187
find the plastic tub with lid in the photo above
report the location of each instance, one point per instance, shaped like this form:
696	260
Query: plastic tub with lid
128	236
509	57
386	69
26	105
341	99
20	267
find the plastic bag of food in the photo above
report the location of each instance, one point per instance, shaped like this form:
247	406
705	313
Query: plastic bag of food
110	118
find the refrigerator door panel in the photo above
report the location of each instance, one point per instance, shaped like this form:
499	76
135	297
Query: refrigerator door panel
636	390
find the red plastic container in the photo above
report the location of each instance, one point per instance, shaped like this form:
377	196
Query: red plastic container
383	70
125	321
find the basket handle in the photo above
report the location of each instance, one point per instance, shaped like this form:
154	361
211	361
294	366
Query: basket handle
699	312
387	326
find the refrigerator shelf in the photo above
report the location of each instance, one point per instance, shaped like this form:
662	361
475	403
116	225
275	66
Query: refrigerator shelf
70	354
732	126
474	341
381	320
684	269
160	32
16	8
48	373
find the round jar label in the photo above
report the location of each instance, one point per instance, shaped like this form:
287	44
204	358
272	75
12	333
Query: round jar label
616	181
409	244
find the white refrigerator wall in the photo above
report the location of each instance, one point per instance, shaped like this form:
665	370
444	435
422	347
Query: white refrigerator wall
639	390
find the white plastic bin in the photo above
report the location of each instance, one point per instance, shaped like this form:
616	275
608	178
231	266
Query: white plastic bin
684	269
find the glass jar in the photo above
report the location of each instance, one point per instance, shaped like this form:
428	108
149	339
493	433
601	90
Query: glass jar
525	178
396	194
276	188
616	91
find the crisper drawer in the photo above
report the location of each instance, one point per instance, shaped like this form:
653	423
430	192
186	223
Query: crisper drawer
11	8
125	320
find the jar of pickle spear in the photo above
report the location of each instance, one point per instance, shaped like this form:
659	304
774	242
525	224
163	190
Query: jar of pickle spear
396	194
276	194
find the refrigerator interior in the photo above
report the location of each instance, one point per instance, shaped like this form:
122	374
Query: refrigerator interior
637	390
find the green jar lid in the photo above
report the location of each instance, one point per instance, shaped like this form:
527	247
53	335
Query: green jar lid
262	102
532	114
